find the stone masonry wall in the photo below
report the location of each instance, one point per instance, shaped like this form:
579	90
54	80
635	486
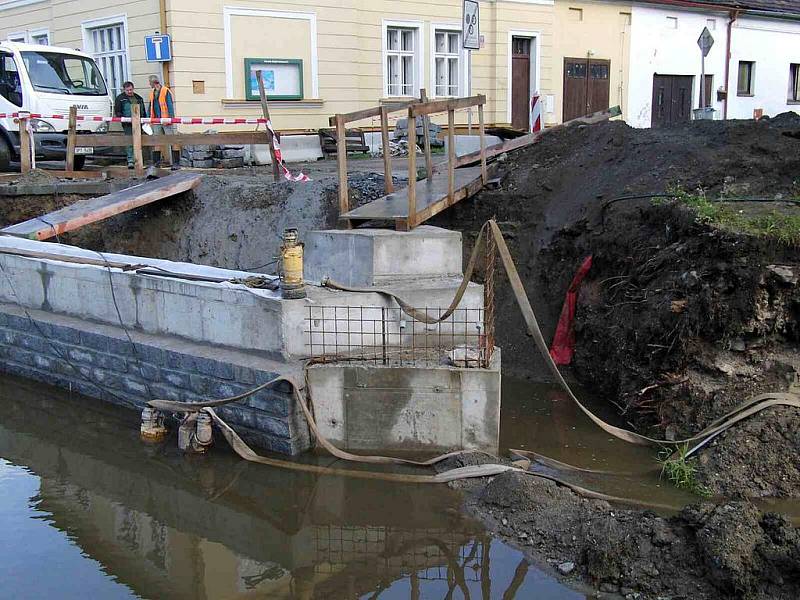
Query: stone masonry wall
100	362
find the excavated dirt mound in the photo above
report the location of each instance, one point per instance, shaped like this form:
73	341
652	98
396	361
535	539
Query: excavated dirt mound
707	551
678	320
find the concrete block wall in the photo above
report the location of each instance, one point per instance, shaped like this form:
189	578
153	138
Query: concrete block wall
100	362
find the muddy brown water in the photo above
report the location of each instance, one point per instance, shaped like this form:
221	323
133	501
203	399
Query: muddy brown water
87	510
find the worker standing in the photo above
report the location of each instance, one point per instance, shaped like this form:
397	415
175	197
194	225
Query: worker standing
122	108
162	105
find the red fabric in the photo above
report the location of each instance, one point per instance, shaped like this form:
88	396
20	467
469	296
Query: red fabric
563	346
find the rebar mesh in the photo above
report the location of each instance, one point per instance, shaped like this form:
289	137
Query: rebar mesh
388	336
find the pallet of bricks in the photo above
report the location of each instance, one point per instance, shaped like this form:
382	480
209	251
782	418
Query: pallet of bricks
207	156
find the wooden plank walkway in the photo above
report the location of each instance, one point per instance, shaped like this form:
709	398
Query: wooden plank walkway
96	209
432	198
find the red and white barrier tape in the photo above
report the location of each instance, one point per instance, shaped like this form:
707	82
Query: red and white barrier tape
175	121
150	120
279	157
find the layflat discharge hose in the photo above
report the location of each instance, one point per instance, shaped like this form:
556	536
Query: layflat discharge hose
490	228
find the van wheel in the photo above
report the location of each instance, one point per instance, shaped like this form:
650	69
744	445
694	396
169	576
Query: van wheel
5	155
79	162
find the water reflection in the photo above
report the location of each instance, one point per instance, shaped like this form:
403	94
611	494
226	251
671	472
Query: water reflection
127	519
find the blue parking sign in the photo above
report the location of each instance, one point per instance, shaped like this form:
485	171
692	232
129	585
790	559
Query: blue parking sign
157	48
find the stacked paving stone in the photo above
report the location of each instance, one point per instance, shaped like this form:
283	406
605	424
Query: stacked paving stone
206	156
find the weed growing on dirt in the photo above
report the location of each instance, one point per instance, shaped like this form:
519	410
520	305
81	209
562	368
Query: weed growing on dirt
680	470
781	227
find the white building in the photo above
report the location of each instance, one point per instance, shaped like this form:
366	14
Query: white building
761	74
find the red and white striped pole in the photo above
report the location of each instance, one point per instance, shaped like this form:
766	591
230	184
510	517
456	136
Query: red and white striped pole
536	113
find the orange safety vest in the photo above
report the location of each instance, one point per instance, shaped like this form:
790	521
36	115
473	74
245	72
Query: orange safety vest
162	102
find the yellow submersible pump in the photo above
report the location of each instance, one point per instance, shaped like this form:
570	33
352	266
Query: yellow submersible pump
291	272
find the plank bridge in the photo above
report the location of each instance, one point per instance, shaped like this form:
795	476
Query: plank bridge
420	200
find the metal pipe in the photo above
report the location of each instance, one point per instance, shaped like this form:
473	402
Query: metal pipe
733	15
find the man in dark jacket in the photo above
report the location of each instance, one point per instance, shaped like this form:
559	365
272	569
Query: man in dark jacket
122	108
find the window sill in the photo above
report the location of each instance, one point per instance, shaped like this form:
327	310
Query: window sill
277	104
739	95
793	102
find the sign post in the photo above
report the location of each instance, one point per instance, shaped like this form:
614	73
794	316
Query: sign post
705	41
470	40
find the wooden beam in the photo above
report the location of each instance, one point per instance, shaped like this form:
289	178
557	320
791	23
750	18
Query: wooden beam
412	171
451	154
238	138
341	164
276	170
444	105
24	145
136	127
369	113
71	133
482	134
426	135
388	184
96	209
526	140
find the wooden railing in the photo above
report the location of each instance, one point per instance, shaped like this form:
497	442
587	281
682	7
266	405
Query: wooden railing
417	107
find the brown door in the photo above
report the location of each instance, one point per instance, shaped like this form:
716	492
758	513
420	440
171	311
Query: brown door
709	88
672	99
586	86
520	83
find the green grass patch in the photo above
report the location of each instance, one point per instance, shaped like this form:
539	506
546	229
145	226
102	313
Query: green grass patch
773	224
681	471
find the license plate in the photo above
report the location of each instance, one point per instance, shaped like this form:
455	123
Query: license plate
84	150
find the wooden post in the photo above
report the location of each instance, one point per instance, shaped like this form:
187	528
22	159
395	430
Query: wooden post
276	170
412	170
136	131
388	185
482	130
426	135
25	142
341	163
71	133
451	154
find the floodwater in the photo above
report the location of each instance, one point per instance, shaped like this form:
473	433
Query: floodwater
89	511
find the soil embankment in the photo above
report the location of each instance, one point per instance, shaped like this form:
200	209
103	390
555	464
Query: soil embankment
691	307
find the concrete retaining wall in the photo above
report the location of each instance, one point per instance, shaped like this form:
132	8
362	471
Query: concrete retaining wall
100	362
370	407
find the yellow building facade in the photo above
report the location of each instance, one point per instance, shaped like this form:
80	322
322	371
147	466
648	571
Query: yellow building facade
328	56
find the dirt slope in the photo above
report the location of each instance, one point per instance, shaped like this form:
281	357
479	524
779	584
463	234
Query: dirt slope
679	320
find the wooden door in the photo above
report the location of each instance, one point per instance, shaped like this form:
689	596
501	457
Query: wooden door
598	85
520	83
587	86
672	99
574	87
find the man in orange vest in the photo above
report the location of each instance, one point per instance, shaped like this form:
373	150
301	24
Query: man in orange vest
161	105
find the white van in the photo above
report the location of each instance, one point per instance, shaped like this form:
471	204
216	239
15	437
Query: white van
48	80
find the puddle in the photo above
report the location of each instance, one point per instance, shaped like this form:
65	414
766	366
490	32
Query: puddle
87	510
542	418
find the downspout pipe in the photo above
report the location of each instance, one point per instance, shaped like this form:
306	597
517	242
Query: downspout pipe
162	13
734	14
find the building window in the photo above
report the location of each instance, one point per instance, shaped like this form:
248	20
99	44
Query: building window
110	49
447	57
20	37
401	61
711	24
794	82
744	86
41	38
575	14
672	22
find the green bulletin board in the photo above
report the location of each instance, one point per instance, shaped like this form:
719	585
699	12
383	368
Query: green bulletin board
283	78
